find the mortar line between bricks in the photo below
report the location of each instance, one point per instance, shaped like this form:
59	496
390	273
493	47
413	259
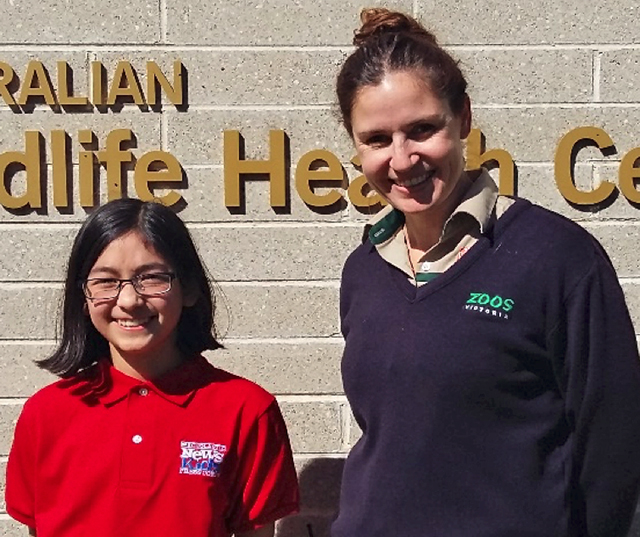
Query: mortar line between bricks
328	284
12	401
269	225
249	108
329	107
318	454
163	21
58	226
286	341
567	105
164	131
57	285
345	415
597	72
606	47
27	342
172	47
30	285
611	223
304	398
635	280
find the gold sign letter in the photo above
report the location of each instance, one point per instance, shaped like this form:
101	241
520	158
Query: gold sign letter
332	172
564	166
113	157
628	174
477	156
30	161
125	84
144	175
356	191
274	167
156	78
36	83
8	74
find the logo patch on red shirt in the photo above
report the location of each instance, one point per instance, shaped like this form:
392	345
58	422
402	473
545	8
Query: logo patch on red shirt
201	458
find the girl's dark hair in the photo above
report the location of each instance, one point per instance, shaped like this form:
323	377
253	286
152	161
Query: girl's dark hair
390	41
81	345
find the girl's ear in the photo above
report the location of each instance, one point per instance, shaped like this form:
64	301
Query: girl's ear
190	297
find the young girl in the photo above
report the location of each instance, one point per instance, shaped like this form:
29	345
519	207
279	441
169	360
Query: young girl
142	436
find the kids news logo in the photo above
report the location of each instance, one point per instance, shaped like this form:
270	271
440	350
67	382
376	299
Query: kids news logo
201	458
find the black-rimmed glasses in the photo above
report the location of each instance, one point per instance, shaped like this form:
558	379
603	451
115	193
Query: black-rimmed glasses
148	285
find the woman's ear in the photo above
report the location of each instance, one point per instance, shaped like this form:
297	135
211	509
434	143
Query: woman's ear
465	117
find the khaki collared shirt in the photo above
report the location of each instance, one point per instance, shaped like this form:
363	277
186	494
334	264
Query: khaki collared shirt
480	207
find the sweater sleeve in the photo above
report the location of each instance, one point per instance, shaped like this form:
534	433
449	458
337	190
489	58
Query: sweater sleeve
595	346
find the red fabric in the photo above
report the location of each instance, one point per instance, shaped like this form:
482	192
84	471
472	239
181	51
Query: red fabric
200	452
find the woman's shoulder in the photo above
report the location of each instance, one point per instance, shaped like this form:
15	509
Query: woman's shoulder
547	232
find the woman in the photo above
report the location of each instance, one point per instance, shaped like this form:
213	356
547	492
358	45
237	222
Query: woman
490	359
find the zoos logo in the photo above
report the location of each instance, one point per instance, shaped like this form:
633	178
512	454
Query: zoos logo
497	302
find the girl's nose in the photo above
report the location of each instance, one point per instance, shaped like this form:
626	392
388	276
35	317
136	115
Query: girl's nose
128	295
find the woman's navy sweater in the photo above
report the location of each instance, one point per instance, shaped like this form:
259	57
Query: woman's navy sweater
502	399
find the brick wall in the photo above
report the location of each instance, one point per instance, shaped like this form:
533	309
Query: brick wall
536	71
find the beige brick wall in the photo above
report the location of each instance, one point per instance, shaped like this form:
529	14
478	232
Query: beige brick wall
536	70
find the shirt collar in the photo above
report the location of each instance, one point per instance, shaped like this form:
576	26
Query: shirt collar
178	386
478	202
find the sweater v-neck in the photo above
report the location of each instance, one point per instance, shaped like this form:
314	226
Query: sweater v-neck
414	293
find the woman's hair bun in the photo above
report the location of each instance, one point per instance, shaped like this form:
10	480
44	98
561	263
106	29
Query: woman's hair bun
377	21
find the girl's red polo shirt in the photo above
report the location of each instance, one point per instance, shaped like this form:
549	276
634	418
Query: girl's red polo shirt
200	452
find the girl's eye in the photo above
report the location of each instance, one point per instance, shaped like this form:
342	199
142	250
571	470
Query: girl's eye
154	281
101	285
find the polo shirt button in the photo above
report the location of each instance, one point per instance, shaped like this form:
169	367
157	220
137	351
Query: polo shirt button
143	391
136	439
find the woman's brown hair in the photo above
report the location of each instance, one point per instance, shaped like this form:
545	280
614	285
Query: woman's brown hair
390	41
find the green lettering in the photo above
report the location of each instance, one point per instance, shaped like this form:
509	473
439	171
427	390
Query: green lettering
473	298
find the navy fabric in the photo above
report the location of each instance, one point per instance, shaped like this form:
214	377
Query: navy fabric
502	399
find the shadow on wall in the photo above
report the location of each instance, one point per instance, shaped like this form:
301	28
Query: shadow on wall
320	492
635	527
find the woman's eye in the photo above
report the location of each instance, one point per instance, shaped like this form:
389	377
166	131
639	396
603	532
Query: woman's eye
378	140
422	130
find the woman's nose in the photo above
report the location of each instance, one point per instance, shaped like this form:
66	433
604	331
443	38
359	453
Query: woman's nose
403	157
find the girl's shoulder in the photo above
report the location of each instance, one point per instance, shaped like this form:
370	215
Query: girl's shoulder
60	398
219	387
